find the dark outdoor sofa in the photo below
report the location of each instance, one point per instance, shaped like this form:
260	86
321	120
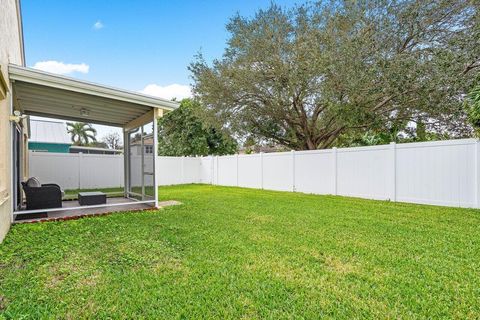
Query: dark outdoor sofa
42	196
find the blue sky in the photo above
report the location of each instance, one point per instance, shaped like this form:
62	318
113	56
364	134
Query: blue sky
134	43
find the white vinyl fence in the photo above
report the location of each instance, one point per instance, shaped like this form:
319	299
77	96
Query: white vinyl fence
86	171
440	173
77	170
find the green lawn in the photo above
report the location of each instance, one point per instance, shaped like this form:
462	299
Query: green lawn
71	194
240	253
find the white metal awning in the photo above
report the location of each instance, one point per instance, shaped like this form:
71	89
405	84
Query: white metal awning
48	95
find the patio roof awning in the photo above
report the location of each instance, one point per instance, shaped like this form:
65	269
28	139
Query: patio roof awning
43	94
48	95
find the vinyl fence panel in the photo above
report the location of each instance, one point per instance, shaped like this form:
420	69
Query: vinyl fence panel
250	171
170	170
76	170
206	169
60	168
278	171
100	170
315	171
364	172
191	170
440	173
226	171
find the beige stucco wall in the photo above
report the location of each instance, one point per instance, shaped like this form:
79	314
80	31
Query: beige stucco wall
10	52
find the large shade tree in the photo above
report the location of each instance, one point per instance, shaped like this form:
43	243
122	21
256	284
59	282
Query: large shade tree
305	76
183	133
81	133
473	105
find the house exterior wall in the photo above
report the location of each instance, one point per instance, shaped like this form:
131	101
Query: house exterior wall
11	51
49	147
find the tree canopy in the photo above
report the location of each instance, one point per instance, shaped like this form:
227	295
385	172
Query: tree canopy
473	106
305	76
182	133
112	140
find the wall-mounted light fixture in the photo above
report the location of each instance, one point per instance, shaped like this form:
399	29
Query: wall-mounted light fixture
84	112
17	116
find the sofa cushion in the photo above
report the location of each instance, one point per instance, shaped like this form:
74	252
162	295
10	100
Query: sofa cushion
33	183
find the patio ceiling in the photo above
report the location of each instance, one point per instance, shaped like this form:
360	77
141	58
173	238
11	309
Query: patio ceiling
48	95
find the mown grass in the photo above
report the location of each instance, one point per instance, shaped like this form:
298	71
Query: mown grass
72	194
239	253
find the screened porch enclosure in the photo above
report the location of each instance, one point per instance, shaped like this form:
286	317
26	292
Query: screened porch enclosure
37	93
140	163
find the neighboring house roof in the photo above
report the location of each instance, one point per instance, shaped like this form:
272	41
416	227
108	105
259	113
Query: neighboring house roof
147	140
75	149
49	131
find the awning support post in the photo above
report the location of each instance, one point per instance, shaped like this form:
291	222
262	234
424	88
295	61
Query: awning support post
126	162
157	113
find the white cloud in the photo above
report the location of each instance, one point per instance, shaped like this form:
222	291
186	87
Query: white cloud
98	25
60	67
178	91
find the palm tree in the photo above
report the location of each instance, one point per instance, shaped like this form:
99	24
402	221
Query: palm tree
82	133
